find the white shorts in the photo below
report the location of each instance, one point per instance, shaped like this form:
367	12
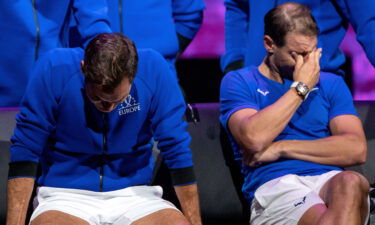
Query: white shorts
114	207
285	199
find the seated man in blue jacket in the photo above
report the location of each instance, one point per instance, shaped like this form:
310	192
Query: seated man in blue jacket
294	128
87	119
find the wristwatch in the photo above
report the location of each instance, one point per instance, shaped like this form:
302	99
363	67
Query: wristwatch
301	88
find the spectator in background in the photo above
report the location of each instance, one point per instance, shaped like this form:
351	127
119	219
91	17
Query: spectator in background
30	28
165	26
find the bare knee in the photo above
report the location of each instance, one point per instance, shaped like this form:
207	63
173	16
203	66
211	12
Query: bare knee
350	185
351	180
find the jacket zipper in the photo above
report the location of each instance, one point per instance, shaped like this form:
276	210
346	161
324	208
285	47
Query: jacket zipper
37	29
105	149
120	15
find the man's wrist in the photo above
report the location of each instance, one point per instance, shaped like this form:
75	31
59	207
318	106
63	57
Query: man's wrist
277	148
301	89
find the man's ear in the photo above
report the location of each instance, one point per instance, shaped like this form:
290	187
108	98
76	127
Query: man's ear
269	44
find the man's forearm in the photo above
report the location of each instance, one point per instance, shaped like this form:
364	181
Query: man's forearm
339	150
260	129
189	200
19	191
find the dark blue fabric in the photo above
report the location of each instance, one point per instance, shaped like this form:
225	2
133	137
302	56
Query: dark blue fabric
247	88
18	37
155	24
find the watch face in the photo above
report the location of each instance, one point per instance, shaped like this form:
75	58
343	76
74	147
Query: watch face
302	88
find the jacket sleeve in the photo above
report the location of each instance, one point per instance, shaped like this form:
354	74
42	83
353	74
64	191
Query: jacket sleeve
236	28
360	14
36	118
188	17
167	110
91	18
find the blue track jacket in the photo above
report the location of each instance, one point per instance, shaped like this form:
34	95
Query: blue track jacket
30	28
155	23
80	147
244	29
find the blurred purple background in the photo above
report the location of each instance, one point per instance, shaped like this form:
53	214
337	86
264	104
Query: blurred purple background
209	43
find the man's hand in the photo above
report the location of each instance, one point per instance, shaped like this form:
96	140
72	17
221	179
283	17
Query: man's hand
307	69
270	154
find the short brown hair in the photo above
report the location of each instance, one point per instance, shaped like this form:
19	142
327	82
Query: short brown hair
289	17
109	58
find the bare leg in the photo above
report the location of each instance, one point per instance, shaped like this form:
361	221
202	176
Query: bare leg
54	217
163	217
345	196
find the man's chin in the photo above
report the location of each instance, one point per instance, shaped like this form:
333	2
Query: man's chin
287	73
103	110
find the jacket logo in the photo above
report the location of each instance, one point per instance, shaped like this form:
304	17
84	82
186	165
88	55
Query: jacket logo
264	93
129	105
